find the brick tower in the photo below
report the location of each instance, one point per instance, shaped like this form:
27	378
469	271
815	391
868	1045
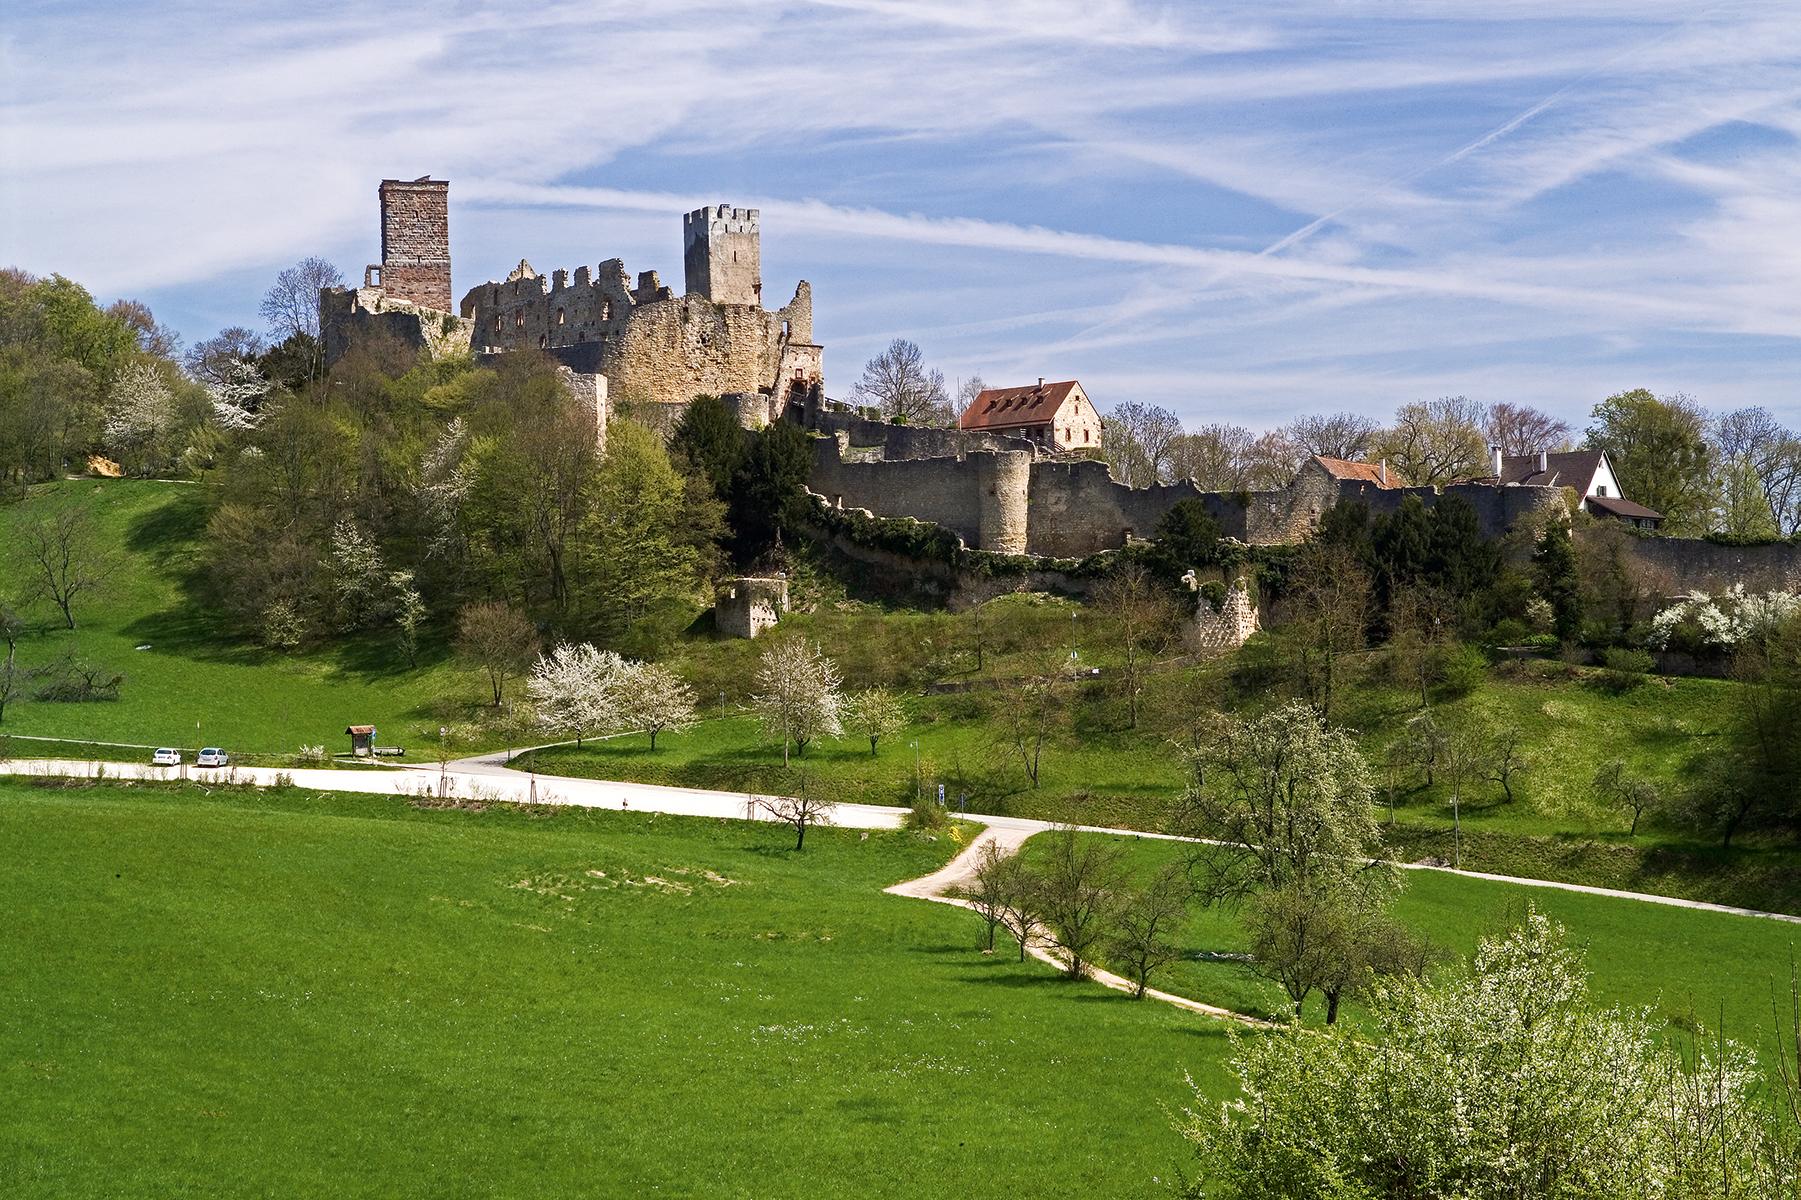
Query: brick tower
722	254
415	241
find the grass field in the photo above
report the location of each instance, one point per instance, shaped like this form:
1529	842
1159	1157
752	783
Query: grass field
1694	969
293	994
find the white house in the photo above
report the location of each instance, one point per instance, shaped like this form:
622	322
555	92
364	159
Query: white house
1586	471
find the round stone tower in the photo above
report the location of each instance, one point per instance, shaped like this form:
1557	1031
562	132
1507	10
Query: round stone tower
1003	479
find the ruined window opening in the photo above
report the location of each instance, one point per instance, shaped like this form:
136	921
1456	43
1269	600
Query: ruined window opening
519	319
606	310
543	341
559	316
1085	434
784	329
497	293
496	322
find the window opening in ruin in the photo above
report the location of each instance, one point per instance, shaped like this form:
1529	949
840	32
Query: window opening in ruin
519	320
606	310
559	316
784	329
543	341
496	322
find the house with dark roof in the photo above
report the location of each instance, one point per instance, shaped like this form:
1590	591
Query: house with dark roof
1587	472
1059	416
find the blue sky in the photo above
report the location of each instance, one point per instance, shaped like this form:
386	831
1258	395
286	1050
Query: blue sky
1240	211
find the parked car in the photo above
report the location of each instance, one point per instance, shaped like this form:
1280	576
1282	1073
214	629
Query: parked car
212	756
166	758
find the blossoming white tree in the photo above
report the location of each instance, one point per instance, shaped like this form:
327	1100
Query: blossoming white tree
575	689
1724	620
798	695
238	396
654	699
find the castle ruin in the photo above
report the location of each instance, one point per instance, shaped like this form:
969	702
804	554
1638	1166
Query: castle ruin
636	343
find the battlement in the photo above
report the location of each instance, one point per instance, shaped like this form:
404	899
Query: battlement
718	218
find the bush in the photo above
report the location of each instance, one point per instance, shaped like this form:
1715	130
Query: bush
1214	593
1509	631
1461	670
924	813
1622	670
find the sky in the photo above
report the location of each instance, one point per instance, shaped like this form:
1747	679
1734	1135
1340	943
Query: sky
1240	211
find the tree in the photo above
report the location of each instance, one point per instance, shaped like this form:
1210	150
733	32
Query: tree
656	699
875	714
64	553
898	382
140	416
409	613
213	361
1031	710
291	305
994	886
1138	442
1145	924
12	677
1634	795
1754	436
238	396
1075	883
768	491
799	811
1744	510
967	391
1140	620
576	690
1188	535
499	639
642	567
1422	622
709	437
1520	429
1329	619
1554	577
1508	758
1435	441
1345	435
798	696
1216	457
1499	1079
1659	450
1287	798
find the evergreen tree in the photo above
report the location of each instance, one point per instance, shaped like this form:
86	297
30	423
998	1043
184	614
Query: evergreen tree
712	441
1554	574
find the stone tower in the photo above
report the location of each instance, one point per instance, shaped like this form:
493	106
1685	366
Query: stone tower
415	242
721	250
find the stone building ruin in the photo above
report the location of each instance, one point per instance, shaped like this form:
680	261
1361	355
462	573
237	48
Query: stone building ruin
629	342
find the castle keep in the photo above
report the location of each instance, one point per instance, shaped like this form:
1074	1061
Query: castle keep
632	342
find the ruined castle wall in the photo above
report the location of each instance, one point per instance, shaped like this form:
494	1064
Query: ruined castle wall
722	255
1682	565
1078	508
351	315
1498	509
905	441
944	491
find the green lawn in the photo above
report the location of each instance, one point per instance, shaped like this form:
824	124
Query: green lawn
1695	969
298	994
194	685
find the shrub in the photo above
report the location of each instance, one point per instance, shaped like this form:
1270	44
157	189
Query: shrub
1622	670
1461	670
1214	593
1509	631
924	813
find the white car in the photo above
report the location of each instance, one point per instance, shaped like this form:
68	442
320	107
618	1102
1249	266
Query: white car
212	756
166	758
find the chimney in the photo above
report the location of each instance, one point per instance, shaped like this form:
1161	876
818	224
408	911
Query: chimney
1382	471
1544	462
1495	453
1041	383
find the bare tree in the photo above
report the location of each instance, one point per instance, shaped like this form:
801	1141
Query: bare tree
1270	462
897	381
499	639
967	391
1214	456
1436	441
1520	429
1344	435
798	695
1141	620
993	887
1031	710
1331	940
1146	923
213	360
1139	442
1508	758
1422	624
66	556
1330	609
12	678
1630	793
1754	436
153	337
799	811
1076	884
291	305
1020	914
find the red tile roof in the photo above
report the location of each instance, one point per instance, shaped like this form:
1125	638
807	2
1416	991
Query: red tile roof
1363	472
999	408
1621	507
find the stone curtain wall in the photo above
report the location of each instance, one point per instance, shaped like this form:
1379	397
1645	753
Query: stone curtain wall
1682	565
903	441
350	315
1077	508
1231	627
944	491
415	242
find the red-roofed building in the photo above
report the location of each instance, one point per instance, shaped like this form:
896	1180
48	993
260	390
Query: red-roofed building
1057	415
1377	473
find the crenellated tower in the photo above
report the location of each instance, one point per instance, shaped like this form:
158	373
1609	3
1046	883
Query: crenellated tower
721	250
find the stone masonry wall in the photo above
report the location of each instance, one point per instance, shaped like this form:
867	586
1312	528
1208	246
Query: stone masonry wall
722	255
415	242
347	315
1683	565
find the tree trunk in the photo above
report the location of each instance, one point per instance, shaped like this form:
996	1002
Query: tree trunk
1331	1008
872	755
653	740
801	834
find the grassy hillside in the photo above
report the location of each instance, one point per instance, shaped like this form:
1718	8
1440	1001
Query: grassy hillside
236	995
192	685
